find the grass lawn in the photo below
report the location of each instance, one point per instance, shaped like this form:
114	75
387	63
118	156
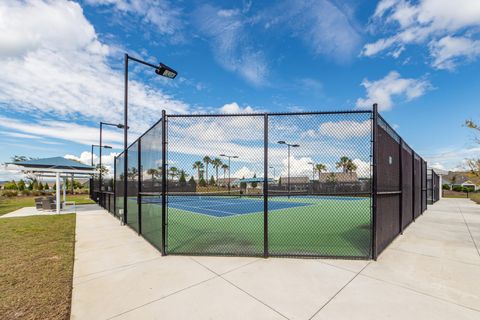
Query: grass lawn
36	266
475	197
14	203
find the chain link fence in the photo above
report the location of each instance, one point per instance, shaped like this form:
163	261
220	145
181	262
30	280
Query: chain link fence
316	184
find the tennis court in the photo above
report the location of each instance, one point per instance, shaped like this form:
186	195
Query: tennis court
306	225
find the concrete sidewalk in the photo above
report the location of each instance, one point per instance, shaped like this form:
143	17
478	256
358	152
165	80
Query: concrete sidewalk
431	272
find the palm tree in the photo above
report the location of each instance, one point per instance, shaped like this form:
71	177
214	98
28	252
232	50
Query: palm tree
207	161
346	164
173	172
224	167
217	163
320	167
351	167
153	172
199	166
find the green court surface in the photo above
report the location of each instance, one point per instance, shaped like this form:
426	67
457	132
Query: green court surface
321	226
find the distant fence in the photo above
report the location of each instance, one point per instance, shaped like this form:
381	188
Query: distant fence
433	187
348	186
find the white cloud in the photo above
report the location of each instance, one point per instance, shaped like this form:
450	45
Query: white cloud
425	21
63	130
108	160
245	172
363	168
231	45
447	51
324	26
452	159
160	13
298	167
345	129
53	63
235	108
392	85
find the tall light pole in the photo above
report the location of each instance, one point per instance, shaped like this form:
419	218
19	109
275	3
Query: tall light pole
229	168
97	145
273	172
92	185
120	126
313	170
294	145
161	70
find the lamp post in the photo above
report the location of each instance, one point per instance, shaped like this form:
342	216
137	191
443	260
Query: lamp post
313	170
273	172
97	145
119	126
294	145
161	70
92	186
229	168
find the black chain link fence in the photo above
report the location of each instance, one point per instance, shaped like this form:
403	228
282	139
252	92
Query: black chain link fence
318	184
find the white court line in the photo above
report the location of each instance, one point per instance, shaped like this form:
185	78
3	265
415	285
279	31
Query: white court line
226	212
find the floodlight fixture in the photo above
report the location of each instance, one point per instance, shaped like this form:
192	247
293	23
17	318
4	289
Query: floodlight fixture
165	71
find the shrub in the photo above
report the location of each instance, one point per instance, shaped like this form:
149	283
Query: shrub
457	188
26	192
10	185
446	186
10	193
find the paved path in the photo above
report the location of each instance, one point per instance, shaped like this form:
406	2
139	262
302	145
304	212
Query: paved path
431	272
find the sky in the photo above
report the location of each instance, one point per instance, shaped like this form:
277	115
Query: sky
62	73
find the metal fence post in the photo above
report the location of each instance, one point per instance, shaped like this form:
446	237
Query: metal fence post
401	185
164	181
265	186
374	181
115	185
413	185
139	187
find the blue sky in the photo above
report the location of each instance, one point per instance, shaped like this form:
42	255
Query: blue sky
62	68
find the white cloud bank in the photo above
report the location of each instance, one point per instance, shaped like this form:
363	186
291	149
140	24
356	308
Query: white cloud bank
448	27
53	63
383	91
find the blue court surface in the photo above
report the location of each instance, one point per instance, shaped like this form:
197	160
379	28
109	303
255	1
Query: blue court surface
231	207
225	207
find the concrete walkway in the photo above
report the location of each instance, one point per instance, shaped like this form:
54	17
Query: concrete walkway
431	272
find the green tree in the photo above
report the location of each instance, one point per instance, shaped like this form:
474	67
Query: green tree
202	182
192	181
46	186
40	186
280	181
212	180
254	184
217	163
320	167
473	163
243	185
199	166
183	178
10	185
332	178
35	184
225	168
21	185
207	160
346	164
173	172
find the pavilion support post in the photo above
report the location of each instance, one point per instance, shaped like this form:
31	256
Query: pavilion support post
65	189
57	191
